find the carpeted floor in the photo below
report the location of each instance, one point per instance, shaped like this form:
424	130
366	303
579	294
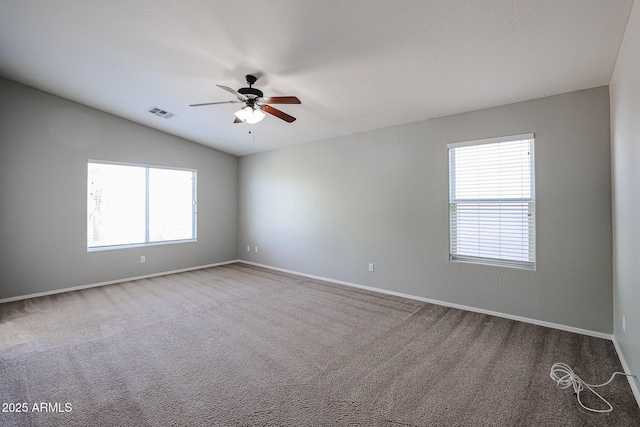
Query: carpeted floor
238	345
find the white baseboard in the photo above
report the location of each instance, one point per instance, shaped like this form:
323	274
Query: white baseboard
112	282
444	303
327	279
633	382
340	282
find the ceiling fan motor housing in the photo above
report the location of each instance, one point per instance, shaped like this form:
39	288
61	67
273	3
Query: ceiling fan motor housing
251	92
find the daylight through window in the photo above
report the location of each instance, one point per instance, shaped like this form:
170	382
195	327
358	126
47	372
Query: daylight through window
492	201
139	205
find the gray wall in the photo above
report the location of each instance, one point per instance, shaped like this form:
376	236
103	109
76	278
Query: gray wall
45	142
331	207
625	144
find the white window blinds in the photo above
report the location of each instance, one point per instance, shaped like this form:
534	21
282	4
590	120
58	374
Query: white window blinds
492	201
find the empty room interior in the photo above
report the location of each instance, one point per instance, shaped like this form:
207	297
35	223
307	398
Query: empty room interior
274	213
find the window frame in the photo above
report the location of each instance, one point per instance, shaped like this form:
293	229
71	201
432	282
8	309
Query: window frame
454	204
147	242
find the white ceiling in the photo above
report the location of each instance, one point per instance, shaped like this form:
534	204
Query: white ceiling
356	65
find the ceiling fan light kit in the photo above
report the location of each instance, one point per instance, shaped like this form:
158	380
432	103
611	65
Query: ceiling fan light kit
250	115
255	104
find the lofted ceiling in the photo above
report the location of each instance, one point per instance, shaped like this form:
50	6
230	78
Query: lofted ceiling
356	65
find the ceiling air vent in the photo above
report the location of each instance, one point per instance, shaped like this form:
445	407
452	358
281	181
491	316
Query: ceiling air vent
161	113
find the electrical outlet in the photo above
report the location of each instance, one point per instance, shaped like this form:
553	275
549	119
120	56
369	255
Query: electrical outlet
624	323
256	249
248	248
370	266
143	259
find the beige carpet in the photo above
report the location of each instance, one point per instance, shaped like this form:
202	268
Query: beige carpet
244	346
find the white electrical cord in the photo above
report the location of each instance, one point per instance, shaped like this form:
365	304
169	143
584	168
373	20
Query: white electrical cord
564	377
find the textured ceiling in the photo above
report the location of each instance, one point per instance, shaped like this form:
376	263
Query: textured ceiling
356	65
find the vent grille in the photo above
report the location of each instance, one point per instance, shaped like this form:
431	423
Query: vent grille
161	112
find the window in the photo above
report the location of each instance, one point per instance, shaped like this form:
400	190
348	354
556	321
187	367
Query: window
492	201
131	205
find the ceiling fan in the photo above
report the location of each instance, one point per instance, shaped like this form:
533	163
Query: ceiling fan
255	103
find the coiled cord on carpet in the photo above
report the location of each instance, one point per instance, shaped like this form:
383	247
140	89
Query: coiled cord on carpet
564	377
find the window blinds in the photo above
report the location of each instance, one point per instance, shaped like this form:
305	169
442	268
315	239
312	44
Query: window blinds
492	201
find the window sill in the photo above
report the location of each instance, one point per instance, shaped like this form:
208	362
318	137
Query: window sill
139	245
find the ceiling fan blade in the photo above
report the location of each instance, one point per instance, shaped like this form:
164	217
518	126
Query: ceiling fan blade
237	120
240	96
214	103
279	114
282	100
